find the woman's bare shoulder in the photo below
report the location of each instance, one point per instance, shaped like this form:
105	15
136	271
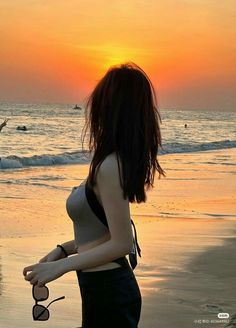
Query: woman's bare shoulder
109	169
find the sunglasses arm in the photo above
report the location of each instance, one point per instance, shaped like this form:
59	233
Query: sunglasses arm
57	299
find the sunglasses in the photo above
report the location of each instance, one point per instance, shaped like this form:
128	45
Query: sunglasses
41	312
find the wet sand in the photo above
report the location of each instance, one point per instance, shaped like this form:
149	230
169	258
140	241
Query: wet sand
186	232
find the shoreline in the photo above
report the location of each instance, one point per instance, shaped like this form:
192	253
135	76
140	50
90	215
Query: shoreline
85	159
198	185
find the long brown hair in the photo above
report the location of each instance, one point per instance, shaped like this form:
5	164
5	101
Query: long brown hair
122	117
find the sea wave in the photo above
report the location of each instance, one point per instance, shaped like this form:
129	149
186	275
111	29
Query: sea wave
11	162
172	148
82	157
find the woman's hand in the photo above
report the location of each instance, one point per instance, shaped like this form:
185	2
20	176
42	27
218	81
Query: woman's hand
42	273
54	255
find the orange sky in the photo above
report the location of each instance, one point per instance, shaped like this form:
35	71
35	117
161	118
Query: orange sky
56	50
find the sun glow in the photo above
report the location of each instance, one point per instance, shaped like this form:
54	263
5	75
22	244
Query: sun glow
114	55
108	55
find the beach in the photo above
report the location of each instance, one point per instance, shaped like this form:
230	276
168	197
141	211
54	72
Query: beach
80	80
186	232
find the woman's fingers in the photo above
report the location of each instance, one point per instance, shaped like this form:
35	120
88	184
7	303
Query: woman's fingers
34	281
30	276
29	268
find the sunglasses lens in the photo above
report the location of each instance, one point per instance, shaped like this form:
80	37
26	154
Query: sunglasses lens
40	293
40	313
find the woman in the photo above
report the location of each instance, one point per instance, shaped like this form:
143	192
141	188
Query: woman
123	122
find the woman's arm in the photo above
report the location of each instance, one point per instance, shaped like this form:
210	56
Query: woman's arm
56	253
69	247
101	254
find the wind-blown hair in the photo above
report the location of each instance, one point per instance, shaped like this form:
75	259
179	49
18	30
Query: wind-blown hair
122	117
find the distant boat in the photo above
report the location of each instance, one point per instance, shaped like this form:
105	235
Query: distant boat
77	107
22	128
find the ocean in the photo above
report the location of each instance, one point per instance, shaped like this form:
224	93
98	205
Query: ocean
53	133
42	164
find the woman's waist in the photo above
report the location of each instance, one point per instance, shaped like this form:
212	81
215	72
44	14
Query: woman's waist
103	277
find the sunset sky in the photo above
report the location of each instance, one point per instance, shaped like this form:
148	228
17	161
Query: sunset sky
56	50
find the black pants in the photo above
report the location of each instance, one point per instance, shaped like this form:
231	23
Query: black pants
110	298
